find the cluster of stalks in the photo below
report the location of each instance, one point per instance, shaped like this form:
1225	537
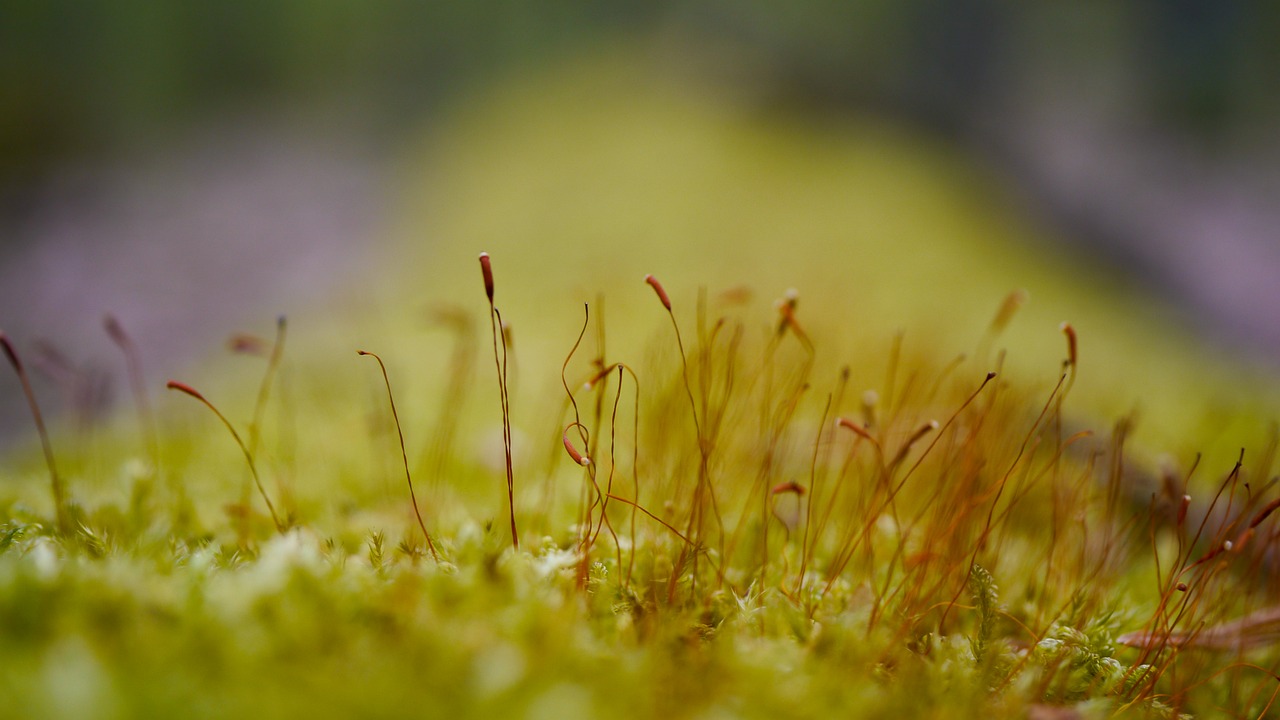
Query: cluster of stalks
760	473
892	506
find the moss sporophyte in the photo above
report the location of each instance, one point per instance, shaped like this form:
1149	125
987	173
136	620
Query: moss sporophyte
728	518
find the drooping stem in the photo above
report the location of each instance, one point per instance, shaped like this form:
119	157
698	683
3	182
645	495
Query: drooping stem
703	490
404	455
248	456
55	482
264	389
134	364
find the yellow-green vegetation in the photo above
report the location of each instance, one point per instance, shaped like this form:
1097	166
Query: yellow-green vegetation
898	491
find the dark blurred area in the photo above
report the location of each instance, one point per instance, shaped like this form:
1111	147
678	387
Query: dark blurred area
83	76
1145	131
92	76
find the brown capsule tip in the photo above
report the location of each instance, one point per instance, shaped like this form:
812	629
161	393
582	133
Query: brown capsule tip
112	326
246	344
1070	332
991	376
788	302
578	457
184	388
602	374
362	352
925	429
657	288
855	427
10	353
1264	513
1182	587
788	487
1008	307
486	269
739	295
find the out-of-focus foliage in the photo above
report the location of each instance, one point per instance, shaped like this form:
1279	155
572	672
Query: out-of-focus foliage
79	75
93	74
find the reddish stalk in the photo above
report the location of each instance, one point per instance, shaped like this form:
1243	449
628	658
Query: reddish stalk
403	454
805	548
55	482
891	379
608	488
578	457
775	494
635	443
1000	486
659	520
855	537
439	453
1161	619
599	406
590	530
264	389
884	472
133	363
931	501
1008	308
1192	589
248	456
825	464
587	502
774	423
260	409
246	344
703	490
777	425
500	362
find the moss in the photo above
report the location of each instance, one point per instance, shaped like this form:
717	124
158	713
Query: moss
730	550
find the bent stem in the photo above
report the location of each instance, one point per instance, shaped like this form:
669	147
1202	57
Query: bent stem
146	419
55	482
264	389
403	454
248	456
589	530
703	490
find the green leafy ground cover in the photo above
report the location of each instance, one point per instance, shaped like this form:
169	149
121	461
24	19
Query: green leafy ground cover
770	524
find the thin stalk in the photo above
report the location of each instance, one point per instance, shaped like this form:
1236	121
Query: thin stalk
133	363
55	482
500	362
248	456
404	456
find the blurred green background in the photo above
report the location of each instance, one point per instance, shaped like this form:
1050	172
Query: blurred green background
196	168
